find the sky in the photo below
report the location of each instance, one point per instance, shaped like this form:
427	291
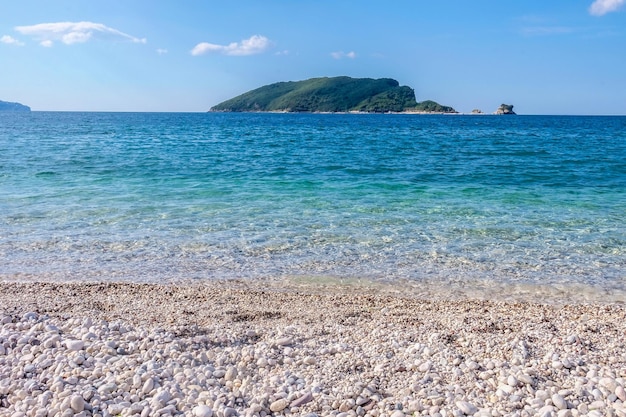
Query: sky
544	57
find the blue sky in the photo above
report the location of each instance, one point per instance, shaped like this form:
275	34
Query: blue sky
545	57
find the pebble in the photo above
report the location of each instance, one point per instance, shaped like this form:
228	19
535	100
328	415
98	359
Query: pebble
398	362
279	405
284	341
467	408
559	402
77	403
74	345
147	386
512	381
161	399
308	397
229	412
230	374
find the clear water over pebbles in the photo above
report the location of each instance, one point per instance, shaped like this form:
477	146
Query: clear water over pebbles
458	201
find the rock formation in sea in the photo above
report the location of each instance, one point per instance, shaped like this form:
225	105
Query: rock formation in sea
505	109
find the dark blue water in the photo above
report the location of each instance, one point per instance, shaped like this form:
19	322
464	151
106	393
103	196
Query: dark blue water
395	198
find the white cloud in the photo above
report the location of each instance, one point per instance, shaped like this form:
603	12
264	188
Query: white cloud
254	45
161	51
602	7
9	40
73	32
341	54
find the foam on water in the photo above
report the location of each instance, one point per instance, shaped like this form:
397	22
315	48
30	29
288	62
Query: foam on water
468	203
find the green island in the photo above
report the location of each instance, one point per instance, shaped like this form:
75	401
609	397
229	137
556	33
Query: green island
10	106
332	95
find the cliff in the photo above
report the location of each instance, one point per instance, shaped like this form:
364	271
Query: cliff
331	94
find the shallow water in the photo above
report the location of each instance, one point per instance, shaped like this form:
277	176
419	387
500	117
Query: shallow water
459	201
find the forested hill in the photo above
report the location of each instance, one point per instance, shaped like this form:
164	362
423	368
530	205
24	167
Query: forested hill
335	94
10	106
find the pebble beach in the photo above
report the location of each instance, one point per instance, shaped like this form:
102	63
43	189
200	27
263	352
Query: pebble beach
236	348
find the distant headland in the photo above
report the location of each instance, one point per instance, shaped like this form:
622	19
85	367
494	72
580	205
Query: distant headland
332	95
9	106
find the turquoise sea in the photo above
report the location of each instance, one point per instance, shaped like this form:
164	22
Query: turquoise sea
460	201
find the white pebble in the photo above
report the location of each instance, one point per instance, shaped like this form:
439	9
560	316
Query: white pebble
467	408
302	400
77	403
161	398
74	345
30	316
609	383
559	402
107	388
229	412
512	381
425	367
202	411
597	405
147	386
230	374
116	408
284	341
279	405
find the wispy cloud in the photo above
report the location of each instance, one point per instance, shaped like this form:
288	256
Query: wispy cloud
161	51
73	32
602	7
9	40
546	30
341	54
253	45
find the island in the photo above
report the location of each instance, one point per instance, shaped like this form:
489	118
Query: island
505	109
9	106
332	95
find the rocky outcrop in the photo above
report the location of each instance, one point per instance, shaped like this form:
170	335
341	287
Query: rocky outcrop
505	109
9	106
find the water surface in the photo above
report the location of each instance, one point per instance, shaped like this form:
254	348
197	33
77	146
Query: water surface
455	200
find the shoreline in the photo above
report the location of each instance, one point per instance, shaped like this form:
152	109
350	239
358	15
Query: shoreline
235	348
359	112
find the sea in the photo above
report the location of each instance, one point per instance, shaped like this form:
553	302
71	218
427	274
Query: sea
475	204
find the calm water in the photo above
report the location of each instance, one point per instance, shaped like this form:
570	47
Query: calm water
401	198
